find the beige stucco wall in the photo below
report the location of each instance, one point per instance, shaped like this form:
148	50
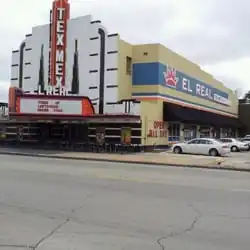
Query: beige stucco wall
139	51
152	111
124	79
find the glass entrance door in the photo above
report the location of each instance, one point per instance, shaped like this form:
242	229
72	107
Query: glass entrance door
190	132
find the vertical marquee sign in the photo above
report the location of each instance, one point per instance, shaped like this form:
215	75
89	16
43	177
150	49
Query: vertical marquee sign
60	16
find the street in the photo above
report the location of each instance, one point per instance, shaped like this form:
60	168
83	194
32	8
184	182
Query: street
49	204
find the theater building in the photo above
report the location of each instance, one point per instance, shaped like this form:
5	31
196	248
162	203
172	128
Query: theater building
73	71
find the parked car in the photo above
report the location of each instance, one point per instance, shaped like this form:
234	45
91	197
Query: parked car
247	141
202	146
235	145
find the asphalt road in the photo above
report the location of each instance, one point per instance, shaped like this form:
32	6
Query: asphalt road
50	204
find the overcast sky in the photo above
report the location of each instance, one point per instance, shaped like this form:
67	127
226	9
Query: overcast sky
214	33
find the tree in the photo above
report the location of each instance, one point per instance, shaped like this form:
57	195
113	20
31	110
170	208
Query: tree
247	96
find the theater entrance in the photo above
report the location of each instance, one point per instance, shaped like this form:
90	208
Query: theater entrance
58	133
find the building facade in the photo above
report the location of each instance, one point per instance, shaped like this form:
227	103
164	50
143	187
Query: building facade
87	42
244	110
168	97
189	102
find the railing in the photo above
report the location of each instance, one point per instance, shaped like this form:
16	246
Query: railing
75	147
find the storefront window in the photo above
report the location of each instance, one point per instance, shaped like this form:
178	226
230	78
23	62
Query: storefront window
233	133
215	132
225	132
174	132
205	132
190	132
228	132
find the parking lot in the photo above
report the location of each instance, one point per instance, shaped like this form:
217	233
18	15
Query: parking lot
241	155
239	158
234	159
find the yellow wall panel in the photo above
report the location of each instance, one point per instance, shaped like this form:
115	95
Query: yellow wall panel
151	112
145	89
139	55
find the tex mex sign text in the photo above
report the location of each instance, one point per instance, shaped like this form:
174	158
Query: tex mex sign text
181	82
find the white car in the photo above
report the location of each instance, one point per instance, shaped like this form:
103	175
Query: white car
247	141
202	146
235	145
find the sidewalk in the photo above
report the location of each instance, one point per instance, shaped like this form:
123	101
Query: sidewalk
167	159
146	158
163	158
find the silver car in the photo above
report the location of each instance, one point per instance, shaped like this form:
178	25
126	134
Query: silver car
235	145
202	146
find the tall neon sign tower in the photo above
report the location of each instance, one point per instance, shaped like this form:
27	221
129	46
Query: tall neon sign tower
59	17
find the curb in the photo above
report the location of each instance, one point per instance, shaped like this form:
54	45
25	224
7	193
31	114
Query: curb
212	167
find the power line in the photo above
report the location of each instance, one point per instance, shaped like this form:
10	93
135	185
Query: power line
82	1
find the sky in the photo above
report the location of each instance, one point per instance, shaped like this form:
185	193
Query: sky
214	34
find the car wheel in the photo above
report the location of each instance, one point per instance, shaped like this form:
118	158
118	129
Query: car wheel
213	152
234	149
177	150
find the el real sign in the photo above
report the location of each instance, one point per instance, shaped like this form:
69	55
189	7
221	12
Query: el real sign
183	83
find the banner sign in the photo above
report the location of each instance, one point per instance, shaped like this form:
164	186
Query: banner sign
126	134
50	106
53	106
181	82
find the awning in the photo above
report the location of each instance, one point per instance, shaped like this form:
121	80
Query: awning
173	112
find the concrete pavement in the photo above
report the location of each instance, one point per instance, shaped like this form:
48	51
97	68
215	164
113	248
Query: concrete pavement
64	204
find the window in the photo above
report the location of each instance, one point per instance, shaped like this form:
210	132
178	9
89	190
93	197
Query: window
189	133
193	141
225	132
128	65
225	140
233	133
209	142
174	132
202	141
246	140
